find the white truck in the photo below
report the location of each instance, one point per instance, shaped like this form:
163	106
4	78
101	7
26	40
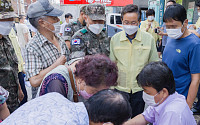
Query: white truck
113	23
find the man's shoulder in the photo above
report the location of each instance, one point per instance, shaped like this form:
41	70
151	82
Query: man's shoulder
117	35
191	41
195	39
145	33
33	44
178	104
64	24
146	36
81	32
156	22
72	24
144	22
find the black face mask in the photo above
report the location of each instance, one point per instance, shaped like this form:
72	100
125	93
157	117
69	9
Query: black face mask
84	23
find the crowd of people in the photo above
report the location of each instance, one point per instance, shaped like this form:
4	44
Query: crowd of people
80	76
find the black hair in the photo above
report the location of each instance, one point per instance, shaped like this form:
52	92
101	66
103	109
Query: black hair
68	15
173	1
108	106
158	76
150	12
176	12
131	9
34	21
197	3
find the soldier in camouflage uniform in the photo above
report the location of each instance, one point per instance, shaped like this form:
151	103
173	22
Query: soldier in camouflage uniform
8	59
92	39
73	27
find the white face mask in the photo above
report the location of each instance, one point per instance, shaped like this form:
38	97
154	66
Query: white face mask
130	29
54	25
150	18
5	27
198	13
175	33
71	20
96	28
149	99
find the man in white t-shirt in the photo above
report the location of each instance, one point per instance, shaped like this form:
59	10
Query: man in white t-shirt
23	34
68	17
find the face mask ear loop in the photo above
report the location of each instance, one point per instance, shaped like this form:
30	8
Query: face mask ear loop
183	26
156	95
52	25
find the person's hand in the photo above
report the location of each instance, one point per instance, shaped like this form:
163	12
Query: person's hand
20	94
194	32
192	26
160	33
149	24
61	60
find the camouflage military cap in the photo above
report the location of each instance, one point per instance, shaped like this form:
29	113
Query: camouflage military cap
6	10
96	11
83	9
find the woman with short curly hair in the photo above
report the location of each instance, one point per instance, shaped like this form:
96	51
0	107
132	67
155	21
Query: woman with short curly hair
92	74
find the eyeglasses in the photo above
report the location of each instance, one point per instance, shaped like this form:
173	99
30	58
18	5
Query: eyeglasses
130	23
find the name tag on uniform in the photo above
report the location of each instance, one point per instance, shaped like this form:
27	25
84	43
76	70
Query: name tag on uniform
67	29
76	41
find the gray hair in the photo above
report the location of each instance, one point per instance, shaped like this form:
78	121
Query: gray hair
34	21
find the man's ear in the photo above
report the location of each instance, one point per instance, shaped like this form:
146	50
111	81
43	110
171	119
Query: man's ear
186	21
41	22
139	21
165	92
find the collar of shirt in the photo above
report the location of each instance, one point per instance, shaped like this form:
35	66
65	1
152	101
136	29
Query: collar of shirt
42	39
161	107
79	23
137	36
130	39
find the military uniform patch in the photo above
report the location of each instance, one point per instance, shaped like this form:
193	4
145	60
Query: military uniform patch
67	29
76	42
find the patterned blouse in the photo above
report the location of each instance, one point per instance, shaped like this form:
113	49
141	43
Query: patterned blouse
54	83
3	95
49	109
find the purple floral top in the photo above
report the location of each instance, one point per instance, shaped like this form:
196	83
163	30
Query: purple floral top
3	95
54	83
